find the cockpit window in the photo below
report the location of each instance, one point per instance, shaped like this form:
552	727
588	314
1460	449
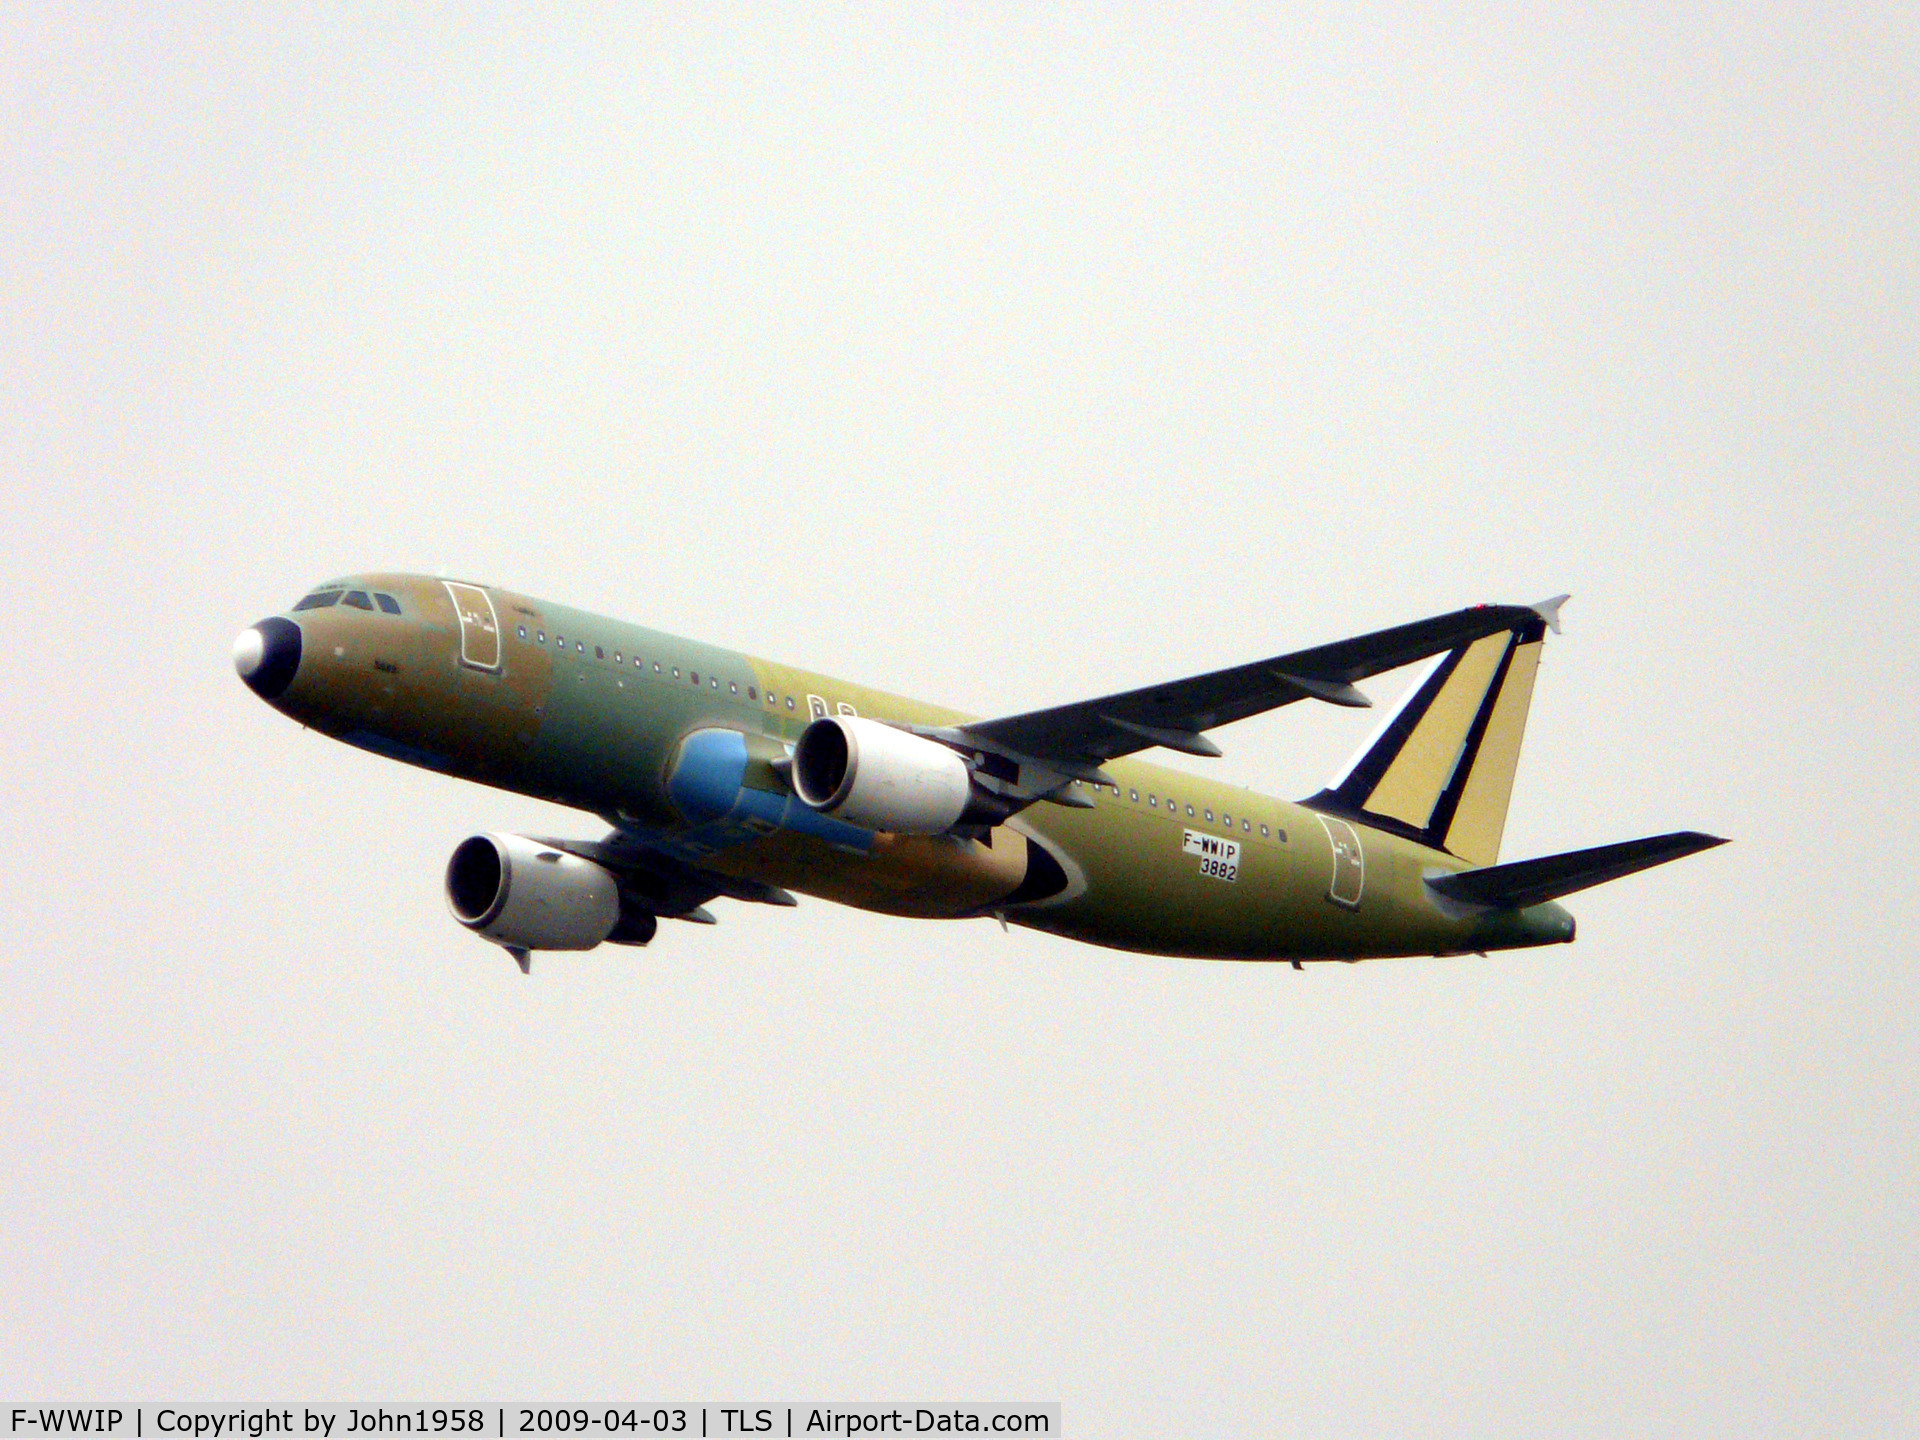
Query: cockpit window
319	600
357	599
388	604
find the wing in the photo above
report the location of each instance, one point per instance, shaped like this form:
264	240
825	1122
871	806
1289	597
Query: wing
1075	739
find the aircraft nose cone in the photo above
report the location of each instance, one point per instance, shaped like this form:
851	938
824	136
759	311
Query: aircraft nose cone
249	649
267	655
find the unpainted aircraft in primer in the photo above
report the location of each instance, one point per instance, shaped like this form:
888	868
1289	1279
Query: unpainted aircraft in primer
722	775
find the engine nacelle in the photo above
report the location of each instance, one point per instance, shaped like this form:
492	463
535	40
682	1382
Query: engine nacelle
528	896
871	774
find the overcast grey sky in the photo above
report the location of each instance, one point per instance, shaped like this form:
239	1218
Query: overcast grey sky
1000	356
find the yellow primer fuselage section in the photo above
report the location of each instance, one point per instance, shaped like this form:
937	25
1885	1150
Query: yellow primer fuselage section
594	713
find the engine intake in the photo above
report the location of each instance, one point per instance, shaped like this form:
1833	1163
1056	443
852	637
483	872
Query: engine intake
528	896
871	774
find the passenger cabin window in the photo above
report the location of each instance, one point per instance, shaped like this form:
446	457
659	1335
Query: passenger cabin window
694	676
358	599
523	632
392	607
543	636
598	653
319	600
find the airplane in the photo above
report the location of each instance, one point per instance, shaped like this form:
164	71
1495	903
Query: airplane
726	776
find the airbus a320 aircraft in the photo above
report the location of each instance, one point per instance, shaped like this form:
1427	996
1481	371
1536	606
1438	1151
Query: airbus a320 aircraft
724	775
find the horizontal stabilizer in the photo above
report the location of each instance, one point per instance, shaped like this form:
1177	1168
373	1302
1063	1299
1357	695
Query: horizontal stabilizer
1532	882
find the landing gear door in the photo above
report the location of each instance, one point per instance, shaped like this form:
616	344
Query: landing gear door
1349	863
479	626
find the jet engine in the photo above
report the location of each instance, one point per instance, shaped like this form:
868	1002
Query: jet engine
526	895
871	774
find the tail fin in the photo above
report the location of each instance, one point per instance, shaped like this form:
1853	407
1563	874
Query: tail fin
1440	767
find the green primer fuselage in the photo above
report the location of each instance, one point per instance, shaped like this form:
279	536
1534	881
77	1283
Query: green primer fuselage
592	713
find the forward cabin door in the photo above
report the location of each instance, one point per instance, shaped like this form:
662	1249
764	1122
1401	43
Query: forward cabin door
479	626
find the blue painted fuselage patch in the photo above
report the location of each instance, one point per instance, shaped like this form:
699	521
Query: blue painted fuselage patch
708	787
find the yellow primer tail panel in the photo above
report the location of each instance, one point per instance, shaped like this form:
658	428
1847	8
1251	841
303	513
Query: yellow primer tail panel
1414	782
1481	817
1440	770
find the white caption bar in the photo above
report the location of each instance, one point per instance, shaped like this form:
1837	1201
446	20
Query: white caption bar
622	1418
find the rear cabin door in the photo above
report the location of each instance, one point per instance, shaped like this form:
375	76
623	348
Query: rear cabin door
1349	863
479	626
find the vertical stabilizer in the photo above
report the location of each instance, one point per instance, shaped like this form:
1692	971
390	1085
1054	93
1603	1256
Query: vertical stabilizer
1440	768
